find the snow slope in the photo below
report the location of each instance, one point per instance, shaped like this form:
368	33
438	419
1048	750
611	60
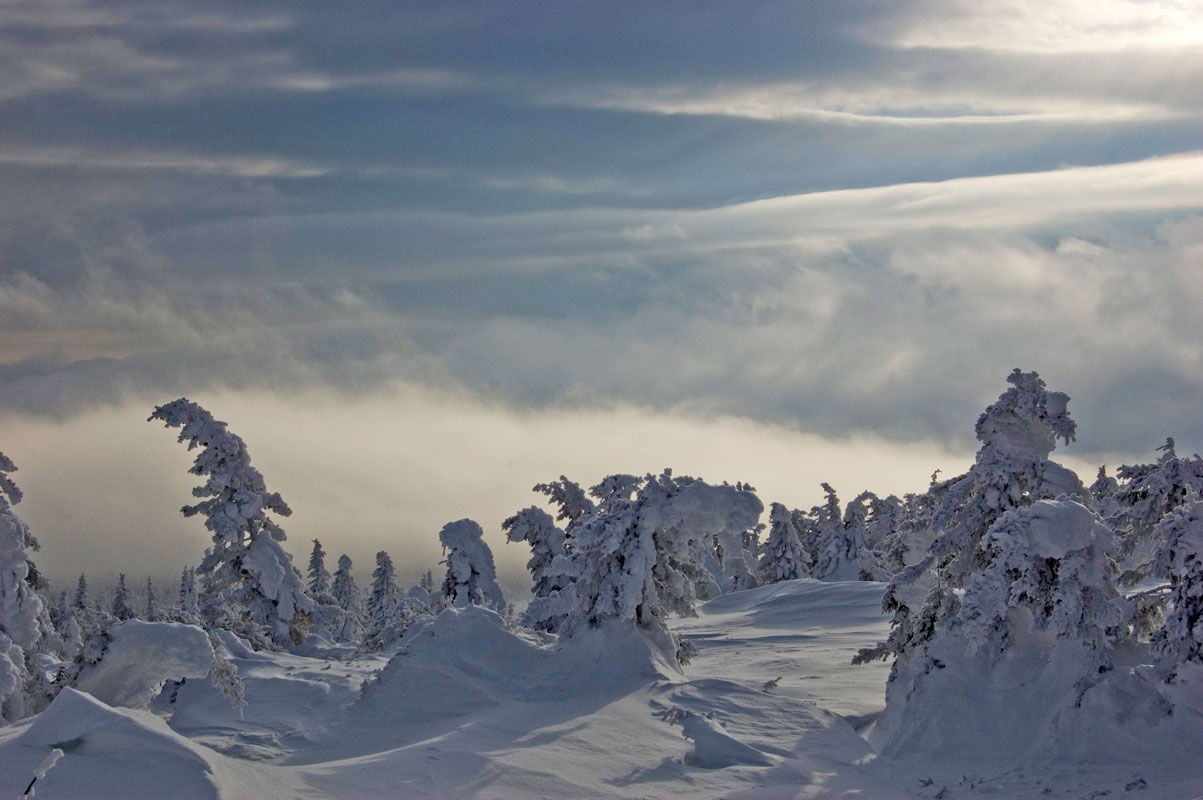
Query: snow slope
464	708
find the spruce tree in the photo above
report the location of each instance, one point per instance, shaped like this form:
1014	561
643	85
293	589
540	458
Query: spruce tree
250	584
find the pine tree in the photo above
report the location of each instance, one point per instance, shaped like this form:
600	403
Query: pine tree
1011	470
250	583
1180	638
350	599
319	578
189	598
121	609
388	613
1147	494
471	577
81	606
67	626
784	557
639	558
570	497
153	614
24	619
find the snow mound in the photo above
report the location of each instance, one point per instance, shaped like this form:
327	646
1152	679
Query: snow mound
466	659
714	748
804	603
113	752
141	657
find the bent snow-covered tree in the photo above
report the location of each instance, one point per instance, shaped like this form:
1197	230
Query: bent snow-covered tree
24	619
249	583
471	574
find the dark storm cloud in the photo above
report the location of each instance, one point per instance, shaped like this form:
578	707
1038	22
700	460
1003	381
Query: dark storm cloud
549	203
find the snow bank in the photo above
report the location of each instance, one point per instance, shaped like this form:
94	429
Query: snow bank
465	660
112	752
141	657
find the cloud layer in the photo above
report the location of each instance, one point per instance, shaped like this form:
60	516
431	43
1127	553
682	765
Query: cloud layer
838	219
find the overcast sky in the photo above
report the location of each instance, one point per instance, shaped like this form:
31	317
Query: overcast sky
421	255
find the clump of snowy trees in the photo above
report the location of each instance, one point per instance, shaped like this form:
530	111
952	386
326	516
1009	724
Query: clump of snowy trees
1018	586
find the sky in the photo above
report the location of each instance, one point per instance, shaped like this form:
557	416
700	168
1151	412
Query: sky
422	255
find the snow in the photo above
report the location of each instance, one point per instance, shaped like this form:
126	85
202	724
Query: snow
463	706
141	657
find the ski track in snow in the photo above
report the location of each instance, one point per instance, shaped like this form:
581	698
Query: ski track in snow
471	710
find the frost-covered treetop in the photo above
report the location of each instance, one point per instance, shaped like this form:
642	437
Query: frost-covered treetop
7	487
1026	420
237	494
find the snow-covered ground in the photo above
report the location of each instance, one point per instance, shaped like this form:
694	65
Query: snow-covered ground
769	708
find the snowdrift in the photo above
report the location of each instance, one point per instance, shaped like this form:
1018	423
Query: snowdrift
115	752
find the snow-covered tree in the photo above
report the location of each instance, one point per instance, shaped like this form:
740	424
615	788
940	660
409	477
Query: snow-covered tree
1146	494
250	583
388	611
24	620
67	626
571	499
1180	638
153	612
1039	613
319	578
350	599
535	526
121	608
1103	492
471	575
188	608
784	556
845	549
1011	470
79	601
639	558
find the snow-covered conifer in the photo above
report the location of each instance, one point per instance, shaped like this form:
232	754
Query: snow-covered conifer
1180	638
224	675
24	619
570	497
250	583
471	575
350	599
1041	603
1011	470
845	549
388	611
640	558
188	609
67	626
784	556
1146	494
153	613
121	608
319	578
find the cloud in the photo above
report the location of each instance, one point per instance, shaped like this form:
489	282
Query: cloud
386	469
133	160
1028	26
908	103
